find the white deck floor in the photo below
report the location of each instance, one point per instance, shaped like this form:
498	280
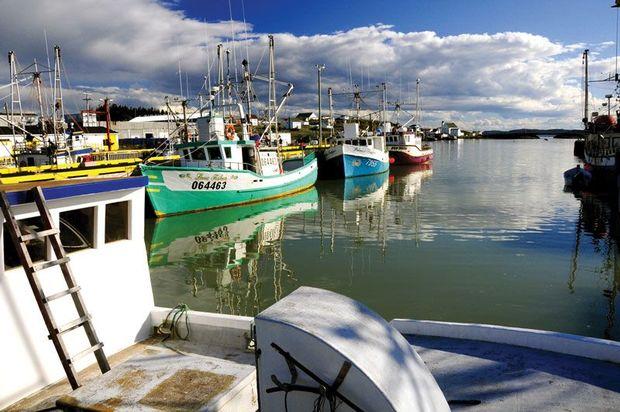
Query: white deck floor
511	378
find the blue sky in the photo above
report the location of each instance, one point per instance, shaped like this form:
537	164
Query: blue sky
483	64
571	21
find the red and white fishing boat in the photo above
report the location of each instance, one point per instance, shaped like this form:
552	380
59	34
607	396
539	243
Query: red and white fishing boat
404	143
405	147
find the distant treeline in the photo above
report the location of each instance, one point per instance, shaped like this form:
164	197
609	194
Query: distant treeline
121	113
532	134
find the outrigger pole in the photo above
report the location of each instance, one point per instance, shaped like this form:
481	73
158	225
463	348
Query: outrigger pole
586	110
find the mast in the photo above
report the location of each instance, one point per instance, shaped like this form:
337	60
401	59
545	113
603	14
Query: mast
383	108
220	75
228	80
59	112
185	129
36	80
417	101
16	101
247	79
586	113
319	69
357	98
272	112
331	111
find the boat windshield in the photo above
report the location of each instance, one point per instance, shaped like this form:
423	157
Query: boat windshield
214	153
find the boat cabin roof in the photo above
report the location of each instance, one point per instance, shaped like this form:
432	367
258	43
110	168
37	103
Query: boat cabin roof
19	193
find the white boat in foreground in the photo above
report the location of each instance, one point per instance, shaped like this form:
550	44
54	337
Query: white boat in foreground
318	346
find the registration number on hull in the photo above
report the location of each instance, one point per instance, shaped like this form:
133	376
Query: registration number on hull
207	185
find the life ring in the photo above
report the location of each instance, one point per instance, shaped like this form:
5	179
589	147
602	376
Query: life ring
230	132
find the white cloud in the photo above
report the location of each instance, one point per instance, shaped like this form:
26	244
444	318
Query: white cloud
131	50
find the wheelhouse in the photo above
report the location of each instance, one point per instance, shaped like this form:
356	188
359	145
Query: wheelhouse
233	155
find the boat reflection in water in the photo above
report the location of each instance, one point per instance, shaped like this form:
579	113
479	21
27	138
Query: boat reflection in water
597	229
366	210
241	260
213	256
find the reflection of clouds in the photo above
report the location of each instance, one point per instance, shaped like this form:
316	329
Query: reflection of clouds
498	191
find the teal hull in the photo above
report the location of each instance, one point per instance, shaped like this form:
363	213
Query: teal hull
170	198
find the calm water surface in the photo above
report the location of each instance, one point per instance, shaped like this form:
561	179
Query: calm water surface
486	234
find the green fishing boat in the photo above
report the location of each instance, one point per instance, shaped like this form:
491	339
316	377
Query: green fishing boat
223	173
228	164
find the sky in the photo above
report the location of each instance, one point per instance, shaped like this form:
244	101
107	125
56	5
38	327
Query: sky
483	64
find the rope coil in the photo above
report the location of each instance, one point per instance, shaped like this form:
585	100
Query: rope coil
170	325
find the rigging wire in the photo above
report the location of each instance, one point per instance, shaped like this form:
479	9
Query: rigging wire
208	59
234	45
245	33
617	11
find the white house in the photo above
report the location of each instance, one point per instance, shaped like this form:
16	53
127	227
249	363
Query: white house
306	117
450	129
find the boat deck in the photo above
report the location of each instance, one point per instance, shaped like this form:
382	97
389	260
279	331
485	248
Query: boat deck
512	378
159	375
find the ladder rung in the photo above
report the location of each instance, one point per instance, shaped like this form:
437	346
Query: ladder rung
45	265
39	235
85	352
74	324
61	294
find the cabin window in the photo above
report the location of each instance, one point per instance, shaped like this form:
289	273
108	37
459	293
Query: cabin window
356	142
148	135
369	142
116	221
347	142
186	155
199	154
36	247
77	229
214	153
227	153
362	142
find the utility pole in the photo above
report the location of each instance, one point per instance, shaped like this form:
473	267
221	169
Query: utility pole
87	99
319	69
586	110
106	111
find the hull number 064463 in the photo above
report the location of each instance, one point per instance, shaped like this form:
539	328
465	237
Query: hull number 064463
200	185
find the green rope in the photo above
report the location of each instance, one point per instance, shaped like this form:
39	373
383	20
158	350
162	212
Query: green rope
170	326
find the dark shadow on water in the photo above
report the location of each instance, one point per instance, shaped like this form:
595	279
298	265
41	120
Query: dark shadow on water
598	224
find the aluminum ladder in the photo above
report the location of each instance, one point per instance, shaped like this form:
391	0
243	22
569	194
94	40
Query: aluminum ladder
32	272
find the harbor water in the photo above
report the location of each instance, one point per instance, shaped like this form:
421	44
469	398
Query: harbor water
485	234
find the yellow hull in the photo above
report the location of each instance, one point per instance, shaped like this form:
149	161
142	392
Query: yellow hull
105	168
